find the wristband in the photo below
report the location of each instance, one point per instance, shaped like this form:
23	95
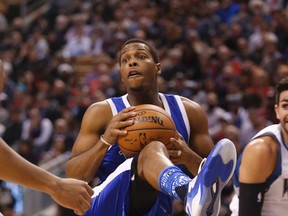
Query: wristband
104	141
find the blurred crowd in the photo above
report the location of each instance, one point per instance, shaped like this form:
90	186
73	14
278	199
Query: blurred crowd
226	55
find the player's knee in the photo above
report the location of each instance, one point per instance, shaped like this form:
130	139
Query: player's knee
153	147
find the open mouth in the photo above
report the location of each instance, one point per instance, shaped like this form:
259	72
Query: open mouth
134	73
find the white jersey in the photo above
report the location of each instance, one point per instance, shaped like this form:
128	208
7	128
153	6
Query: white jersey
276	198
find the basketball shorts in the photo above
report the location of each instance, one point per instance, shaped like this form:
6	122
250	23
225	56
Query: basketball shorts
123	190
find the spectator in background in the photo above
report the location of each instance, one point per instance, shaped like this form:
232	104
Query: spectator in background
3	114
227	10
38	129
210	22
40	44
13	131
3	23
216	116
58	147
63	131
173	64
282	71
7	200
56	36
260	82
256	121
26	149
78	41
235	108
180	85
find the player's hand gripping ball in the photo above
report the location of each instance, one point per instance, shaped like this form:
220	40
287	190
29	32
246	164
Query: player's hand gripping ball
152	123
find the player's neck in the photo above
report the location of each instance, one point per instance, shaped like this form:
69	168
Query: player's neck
136	99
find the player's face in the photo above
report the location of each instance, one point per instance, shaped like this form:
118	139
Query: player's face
138	70
282	111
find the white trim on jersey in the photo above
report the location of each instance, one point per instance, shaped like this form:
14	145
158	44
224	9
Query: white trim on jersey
184	113
125	100
126	165
165	103
112	106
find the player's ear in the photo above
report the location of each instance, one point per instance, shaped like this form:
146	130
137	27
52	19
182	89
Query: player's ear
158	67
276	109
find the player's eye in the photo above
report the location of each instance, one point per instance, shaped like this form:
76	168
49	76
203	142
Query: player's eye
141	57
124	60
285	106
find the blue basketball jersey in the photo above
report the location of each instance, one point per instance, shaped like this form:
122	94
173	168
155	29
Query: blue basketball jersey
112	196
172	104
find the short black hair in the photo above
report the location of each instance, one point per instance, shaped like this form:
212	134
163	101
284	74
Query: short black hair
281	86
152	49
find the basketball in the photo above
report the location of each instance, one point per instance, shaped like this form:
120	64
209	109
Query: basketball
152	123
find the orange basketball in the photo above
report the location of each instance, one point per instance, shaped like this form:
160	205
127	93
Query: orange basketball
152	123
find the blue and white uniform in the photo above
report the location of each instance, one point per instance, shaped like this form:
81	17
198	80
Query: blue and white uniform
112	196
276	198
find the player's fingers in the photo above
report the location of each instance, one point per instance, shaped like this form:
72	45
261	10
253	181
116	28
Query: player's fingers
176	144
174	153
87	197
85	205
170	146
123	124
127	113
82	207
89	189
128	109
77	212
178	136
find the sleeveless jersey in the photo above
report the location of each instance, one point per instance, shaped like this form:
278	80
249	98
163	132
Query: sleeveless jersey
175	108
276	197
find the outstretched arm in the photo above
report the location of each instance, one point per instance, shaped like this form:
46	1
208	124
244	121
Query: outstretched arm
70	193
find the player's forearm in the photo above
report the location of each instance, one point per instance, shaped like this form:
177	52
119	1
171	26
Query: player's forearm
86	165
16	169
251	199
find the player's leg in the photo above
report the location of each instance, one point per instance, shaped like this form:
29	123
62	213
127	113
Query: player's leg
143	196
104	200
202	194
146	196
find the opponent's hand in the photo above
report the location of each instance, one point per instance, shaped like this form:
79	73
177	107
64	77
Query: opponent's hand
118	123
73	194
181	152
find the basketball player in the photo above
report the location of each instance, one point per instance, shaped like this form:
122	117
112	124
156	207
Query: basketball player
261	176
147	183
70	193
